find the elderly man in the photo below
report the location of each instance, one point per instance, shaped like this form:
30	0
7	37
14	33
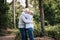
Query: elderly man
26	23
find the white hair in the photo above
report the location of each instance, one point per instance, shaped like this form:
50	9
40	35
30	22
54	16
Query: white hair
32	12
26	9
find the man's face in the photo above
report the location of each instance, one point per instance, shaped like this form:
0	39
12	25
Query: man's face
27	11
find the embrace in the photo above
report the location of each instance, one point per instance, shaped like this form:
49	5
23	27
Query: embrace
26	24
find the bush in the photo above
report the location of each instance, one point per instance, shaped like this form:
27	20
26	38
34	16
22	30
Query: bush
53	31
3	14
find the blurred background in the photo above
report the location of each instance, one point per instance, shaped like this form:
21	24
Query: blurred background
46	17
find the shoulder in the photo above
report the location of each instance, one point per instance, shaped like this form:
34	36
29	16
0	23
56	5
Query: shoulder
30	15
23	13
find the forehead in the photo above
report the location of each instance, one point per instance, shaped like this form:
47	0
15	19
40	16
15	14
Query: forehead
27	9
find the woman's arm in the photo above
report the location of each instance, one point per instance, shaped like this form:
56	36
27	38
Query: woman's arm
25	20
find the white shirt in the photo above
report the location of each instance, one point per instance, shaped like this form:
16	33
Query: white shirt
27	19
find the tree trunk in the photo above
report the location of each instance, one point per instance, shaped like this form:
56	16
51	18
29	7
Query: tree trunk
14	18
4	1
42	17
26	3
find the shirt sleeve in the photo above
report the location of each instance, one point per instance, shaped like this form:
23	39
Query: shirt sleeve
25	20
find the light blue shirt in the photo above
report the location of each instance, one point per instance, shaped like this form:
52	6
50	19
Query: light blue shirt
27	18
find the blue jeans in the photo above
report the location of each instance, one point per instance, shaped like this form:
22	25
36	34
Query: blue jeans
29	31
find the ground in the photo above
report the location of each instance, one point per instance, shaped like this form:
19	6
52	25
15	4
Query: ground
12	37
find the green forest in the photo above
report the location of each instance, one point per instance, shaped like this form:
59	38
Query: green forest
46	23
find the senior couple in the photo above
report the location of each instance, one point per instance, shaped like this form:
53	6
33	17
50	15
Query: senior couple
26	23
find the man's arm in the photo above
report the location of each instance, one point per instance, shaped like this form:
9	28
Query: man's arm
25	20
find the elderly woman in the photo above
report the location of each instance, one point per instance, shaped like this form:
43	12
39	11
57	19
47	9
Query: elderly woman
26	23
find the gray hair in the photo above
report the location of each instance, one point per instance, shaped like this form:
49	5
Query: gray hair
32	12
26	9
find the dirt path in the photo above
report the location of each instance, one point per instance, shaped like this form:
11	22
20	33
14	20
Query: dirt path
44	38
12	37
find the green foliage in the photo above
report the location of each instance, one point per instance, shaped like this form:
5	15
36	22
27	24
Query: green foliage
10	16
37	18
3	14
53	31
52	11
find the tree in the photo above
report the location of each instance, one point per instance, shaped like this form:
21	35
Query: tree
3	17
26	1
42	16
3	14
52	11
14	12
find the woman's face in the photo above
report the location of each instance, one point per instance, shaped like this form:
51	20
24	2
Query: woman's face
28	12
